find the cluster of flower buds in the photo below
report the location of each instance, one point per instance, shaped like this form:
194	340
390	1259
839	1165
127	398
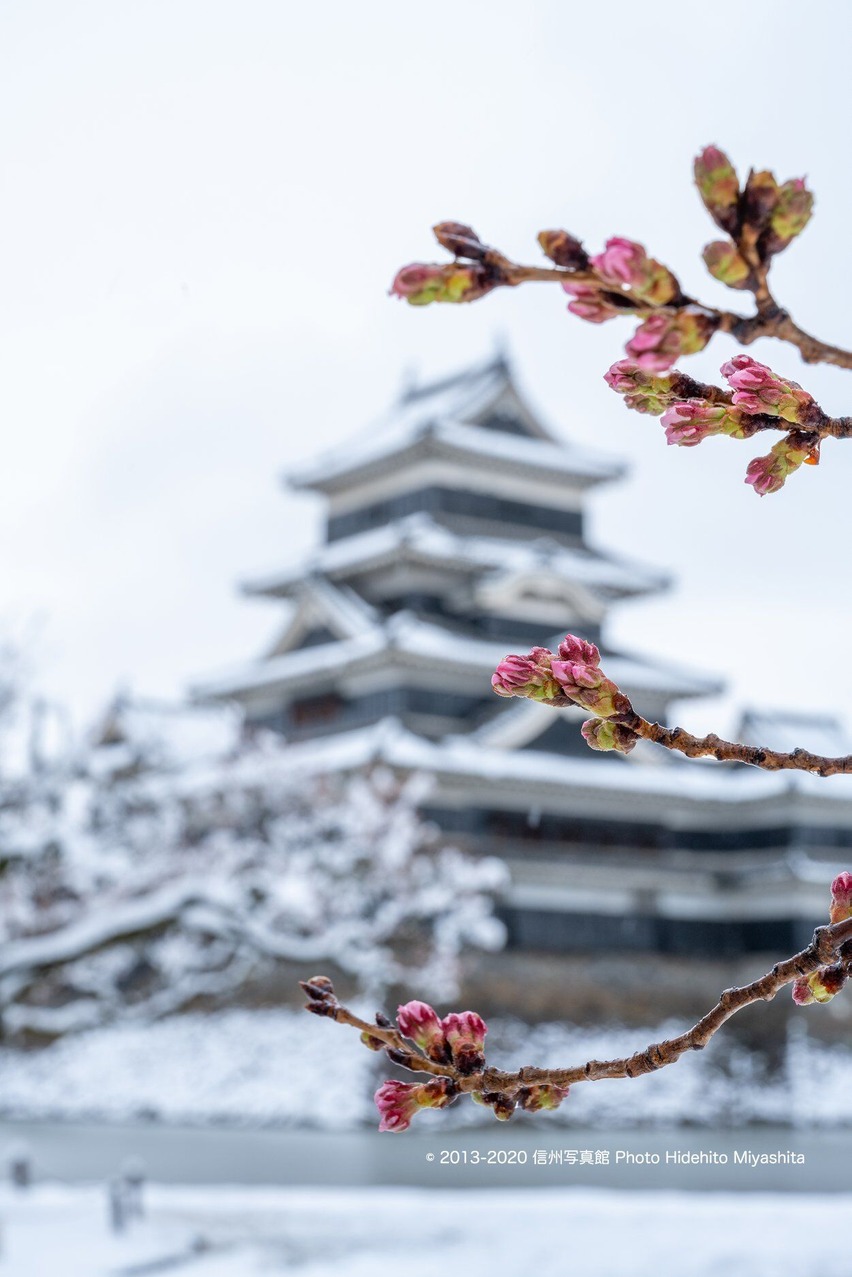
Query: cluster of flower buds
663	337
759	390
692	412
822	985
573	673
624	265
762	218
769	473
458	1039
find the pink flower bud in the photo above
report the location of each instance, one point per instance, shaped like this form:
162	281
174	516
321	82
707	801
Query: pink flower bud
725	264
661	339
841	897
581	679
545	1096
421	284
769	474
465	1033
757	389
590	304
718	186
692	420
397	1102
643	391
530	676
418	1021
625	264
601	733
819	986
572	648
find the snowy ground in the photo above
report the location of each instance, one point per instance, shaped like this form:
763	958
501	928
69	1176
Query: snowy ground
233	1232
288	1068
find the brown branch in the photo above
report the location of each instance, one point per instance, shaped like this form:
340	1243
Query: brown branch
829	945
770	320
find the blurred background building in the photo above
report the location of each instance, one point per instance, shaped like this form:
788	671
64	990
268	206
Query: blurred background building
455	532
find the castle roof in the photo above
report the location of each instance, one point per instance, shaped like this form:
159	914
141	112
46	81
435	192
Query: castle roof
477	416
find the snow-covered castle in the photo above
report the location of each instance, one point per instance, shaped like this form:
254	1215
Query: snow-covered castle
456	534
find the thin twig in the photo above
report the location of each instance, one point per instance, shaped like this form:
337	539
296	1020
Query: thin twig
829	944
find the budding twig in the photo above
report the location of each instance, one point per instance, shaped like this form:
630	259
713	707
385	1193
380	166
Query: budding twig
830	945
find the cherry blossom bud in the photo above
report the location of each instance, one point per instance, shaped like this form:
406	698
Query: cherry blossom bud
545	1096
718	187
693	420
530	676
564	249
625	264
819	986
418	1021
661	339
572	648
841	897
759	199
757	389
601	733
503	1106
790	216
397	1102
465	1033
590	304
725	264
769	474
643	391
460	240
420	284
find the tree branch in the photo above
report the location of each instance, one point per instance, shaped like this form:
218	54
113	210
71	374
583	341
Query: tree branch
830	945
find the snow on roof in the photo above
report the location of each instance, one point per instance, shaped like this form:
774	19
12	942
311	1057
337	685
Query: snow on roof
786	731
449	417
530	771
164	734
419	538
423	641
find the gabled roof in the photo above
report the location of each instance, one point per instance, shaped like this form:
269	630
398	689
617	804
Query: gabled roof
408	641
449	419
318	602
419	539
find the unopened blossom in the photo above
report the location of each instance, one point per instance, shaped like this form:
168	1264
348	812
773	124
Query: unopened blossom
690	421
819	986
590	303
769	474
603	734
563	249
643	391
544	1096
372	1043
530	676
791	214
725	264
760	198
465	1034
625	264
718	186
502	1106
663	338
578	672
398	1102
421	1023
757	389
421	284
841	897
459	239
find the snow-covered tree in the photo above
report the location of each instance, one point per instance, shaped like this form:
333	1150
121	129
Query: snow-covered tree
173	861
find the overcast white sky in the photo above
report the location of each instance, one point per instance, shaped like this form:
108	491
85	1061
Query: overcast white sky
203	206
